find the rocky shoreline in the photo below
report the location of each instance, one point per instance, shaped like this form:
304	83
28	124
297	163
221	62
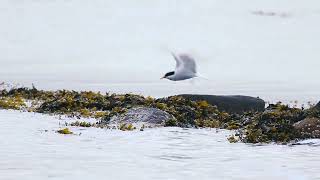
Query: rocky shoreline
247	116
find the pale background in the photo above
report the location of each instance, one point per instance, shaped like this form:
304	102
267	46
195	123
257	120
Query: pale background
122	46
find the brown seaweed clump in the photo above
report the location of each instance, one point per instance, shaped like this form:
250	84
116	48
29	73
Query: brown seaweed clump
191	113
105	106
12	102
64	131
274	124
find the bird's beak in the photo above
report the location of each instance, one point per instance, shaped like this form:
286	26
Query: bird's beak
162	77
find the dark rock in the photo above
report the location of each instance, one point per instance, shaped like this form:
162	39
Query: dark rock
309	127
275	124
230	104
313	111
151	116
187	112
317	106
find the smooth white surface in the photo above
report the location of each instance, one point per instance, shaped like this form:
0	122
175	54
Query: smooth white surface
122	46
28	152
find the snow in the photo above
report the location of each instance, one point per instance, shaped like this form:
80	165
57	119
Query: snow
28	151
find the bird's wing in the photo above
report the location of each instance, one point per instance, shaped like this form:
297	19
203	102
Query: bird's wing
187	64
178	62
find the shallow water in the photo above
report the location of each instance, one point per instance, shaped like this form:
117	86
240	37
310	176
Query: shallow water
29	152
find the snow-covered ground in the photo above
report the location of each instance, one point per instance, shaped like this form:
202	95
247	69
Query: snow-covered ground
266	48
28	151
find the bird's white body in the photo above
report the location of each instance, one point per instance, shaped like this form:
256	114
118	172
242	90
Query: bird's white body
186	68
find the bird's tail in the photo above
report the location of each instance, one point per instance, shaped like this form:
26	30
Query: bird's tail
201	76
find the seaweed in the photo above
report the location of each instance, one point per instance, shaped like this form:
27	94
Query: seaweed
171	123
127	127
12	102
64	131
274	124
82	124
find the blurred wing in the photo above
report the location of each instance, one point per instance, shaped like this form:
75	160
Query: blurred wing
178	62
188	64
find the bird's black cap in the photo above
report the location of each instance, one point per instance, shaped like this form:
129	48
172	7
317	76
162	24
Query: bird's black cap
169	74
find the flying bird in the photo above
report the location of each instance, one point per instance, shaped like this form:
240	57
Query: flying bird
186	68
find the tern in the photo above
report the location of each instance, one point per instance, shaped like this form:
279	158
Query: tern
186	68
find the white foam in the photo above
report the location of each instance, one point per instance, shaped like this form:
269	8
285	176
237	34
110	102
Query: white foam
29	152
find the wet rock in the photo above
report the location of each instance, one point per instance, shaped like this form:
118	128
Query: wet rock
317	106
144	115
230	104
188	112
275	124
309	127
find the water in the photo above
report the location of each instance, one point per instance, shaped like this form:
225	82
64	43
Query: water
123	46
29	152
